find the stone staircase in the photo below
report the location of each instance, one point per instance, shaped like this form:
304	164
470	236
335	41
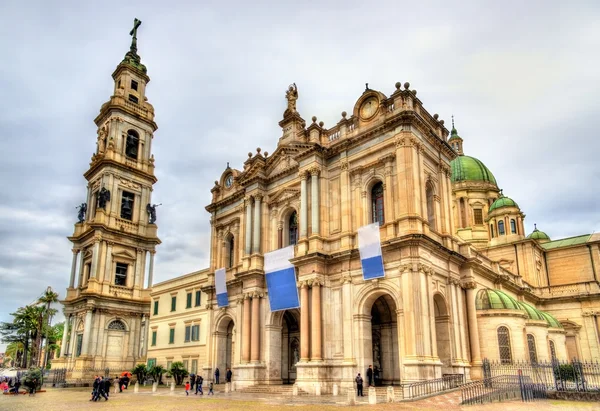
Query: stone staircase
282	390
381	393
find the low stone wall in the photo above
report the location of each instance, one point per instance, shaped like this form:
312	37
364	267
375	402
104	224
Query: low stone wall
574	396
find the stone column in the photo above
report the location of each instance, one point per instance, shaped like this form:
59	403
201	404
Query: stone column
73	339
143	338
246	331
81	258
304	323
314	207
316	322
387	191
87	331
107	262
280	234
151	268
73	268
470	286
257	215
255	344
248	248
303	207
95	258
347	307
346	201
63	344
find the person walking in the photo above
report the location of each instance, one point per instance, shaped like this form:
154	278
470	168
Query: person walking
228	375
107	386
187	388
199	381
192	381
359	385
116	383
217	375
210	389
370	375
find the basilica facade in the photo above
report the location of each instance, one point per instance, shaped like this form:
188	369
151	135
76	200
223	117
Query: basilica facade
463	280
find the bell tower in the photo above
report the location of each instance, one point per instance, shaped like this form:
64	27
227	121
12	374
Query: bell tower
108	299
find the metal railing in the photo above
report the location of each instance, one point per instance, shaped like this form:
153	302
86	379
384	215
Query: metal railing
555	375
501	388
429	387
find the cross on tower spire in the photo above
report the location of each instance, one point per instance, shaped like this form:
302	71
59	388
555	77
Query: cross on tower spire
136	23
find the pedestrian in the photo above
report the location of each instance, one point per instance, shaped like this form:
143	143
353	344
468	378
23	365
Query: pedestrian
370	375
187	388
192	381
217	375
359	386
116	383
228	375
120	384
199	381
210	389
100	389
376	377
95	387
107	386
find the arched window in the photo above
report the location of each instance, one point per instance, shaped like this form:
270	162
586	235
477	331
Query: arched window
513	226
293	229
531	347
552	351
377	211
492	230
131	146
230	252
116	325
500	227
504	345
430	206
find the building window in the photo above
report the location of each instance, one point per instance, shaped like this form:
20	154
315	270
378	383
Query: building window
293	229
156	307
79	345
500	227
513	226
194	369
188	300
531	347
121	274
132	144
173	303
127	205
151	362
492	230
552	351
133	99
198	294
117	325
478	216
171	335
169	364
230	252
195	332
88	270
185	364
134	85
377	211
504	345
430	206
188	333
153	338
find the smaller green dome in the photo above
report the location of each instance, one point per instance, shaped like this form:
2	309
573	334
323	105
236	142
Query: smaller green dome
553	322
465	168
538	235
488	299
532	312
503	201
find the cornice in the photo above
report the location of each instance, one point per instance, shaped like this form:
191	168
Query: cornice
105	162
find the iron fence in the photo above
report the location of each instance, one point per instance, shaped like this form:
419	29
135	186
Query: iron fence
555	375
429	387
502	388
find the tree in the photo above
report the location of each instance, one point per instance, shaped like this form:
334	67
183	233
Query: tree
23	329
157	372
14	352
178	372
33	376
140	371
49	297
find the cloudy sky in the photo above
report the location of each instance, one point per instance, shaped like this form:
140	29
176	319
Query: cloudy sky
521	78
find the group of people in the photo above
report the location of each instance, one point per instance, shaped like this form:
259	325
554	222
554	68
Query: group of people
372	375
101	386
198	380
7	386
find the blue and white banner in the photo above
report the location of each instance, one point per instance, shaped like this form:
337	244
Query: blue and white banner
221	286
281	279
369	247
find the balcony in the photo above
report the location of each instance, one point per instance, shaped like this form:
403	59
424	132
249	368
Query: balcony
569	290
119	291
126	225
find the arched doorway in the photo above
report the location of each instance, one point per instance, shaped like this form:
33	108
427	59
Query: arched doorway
384	342
442	333
225	336
290	345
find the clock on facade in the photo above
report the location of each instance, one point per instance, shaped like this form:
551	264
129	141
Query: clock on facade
369	108
229	180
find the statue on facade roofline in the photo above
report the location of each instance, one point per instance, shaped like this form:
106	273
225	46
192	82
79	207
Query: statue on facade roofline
103	197
151	209
82	210
292	95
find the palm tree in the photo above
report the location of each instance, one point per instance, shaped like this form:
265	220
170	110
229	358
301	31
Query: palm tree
49	297
14	351
178	372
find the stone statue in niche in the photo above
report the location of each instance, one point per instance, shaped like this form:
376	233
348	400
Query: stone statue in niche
292	95
102	140
151	209
103	197
295	352
82	210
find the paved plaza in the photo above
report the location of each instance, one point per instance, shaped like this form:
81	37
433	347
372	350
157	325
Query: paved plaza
163	400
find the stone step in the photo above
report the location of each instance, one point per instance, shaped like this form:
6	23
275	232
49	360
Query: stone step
272	389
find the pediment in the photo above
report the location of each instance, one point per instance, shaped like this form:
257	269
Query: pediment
282	161
284	195
124	254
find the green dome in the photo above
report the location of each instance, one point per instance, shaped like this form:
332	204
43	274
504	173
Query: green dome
503	202
489	299
538	235
532	312
465	168
553	322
